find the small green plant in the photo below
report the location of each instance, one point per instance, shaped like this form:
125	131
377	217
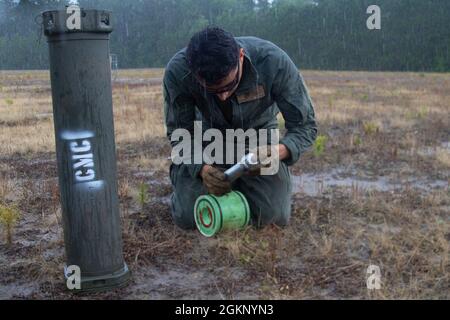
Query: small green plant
142	195
245	258
357	141
319	145
422	113
370	128
9	102
8	218
409	115
330	102
365	97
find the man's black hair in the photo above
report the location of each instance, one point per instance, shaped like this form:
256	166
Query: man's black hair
212	53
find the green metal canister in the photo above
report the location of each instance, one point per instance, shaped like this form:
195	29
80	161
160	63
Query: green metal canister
214	214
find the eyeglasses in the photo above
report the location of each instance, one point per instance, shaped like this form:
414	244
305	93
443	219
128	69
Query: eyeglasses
230	86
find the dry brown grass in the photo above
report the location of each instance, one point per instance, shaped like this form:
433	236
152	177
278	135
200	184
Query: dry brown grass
391	125
26	113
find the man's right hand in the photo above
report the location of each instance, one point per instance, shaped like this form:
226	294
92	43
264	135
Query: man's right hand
214	180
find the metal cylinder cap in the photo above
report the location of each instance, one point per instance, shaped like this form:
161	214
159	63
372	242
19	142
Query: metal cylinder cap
91	20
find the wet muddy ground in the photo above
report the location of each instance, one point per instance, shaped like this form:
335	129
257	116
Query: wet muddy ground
377	194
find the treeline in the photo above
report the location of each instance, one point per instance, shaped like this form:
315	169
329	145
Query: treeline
317	34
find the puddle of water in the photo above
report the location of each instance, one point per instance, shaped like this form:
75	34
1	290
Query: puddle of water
14	290
156	284
427	151
178	282
44	115
446	145
315	184
431	151
164	200
144	174
137	81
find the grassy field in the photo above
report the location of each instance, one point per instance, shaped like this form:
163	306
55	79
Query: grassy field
373	190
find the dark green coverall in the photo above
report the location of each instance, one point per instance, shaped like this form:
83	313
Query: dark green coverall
270	83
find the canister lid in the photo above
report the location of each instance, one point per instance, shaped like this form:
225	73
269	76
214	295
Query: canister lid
74	19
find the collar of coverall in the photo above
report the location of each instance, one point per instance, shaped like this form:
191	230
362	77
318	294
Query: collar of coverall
249	74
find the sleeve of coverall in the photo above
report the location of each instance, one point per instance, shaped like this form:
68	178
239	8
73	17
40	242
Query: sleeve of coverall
179	113
295	104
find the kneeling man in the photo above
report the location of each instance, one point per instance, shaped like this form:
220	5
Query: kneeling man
236	83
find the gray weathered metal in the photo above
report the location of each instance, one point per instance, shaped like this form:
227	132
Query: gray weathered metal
85	147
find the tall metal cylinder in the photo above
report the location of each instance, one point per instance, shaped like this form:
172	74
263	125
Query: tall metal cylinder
85	148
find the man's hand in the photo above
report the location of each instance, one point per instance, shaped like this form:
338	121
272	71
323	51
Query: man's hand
268	153
215	181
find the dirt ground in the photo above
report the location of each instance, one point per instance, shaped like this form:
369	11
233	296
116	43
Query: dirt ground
375	191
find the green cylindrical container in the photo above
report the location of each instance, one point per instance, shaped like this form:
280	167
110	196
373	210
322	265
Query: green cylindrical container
214	214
